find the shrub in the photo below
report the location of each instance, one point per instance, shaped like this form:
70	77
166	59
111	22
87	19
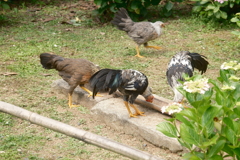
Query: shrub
137	8
217	9
210	129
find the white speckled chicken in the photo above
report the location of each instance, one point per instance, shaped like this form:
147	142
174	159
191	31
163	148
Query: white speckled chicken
184	62
140	32
130	83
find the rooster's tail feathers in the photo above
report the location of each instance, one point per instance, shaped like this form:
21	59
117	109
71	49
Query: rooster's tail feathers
48	60
199	62
105	79
122	20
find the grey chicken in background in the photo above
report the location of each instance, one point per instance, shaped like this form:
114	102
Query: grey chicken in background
130	83
184	62
140	32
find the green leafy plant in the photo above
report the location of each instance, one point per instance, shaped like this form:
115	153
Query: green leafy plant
210	129
4	4
136	8
217	9
236	20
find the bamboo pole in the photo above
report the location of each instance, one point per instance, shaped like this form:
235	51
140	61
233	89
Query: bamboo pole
71	131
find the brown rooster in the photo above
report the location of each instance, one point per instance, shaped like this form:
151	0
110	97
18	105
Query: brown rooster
74	71
140	32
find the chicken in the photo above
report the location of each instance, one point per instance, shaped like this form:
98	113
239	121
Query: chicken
140	32
184	62
130	83
74	71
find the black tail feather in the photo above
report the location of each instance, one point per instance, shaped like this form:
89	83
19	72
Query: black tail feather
105	79
48	60
199	62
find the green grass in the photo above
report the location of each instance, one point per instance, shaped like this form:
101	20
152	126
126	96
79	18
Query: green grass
22	40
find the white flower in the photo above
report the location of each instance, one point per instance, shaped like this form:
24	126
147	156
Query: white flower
220	1
172	108
198	86
226	87
234	78
234	65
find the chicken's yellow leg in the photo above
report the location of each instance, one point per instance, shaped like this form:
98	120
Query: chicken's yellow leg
129	111
155	47
138	112
90	93
183	103
138	53
70	101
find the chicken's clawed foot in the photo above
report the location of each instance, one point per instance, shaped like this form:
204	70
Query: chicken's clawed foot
138	53
70	102
90	93
138	112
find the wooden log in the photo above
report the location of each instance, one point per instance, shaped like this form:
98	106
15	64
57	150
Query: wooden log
79	134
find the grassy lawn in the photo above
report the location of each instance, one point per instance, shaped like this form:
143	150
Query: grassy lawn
23	81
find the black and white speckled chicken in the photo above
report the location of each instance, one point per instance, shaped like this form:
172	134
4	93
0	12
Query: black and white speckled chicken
130	83
140	32
184	62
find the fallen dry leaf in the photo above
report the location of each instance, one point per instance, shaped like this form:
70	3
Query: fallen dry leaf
66	22
48	19
45	74
9	73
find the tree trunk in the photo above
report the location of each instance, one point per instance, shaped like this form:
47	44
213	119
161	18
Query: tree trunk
82	135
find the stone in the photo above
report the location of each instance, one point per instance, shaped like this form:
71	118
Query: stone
111	110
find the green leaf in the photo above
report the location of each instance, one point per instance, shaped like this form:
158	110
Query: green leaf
216	148
216	9
112	7
190	97
231	124
98	2
135	5
223	75
237	111
230	135
197	8
187	145
238	23
169	119
228	150
218	15
182	119
168	129
220	98
211	141
189	113
235	19
5	6
237	151
169	6
207	119
210	7
189	135
216	157
192	156
224	15
231	4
